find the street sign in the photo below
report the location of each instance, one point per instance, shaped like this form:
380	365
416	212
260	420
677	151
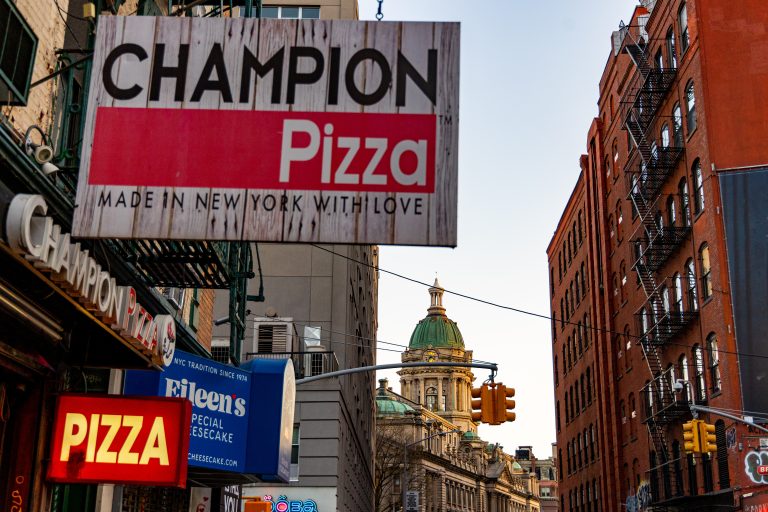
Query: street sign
411	501
326	131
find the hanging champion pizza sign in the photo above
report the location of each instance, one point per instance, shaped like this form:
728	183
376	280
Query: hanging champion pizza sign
271	130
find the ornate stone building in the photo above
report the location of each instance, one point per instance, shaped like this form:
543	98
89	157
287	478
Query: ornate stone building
428	431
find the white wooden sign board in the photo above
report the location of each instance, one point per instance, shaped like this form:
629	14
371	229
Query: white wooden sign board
271	130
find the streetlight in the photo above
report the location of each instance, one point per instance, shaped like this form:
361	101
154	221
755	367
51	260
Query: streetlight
405	459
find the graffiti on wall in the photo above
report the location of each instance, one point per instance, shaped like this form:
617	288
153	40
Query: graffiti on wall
641	500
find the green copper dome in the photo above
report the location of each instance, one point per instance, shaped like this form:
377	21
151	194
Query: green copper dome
436	330
387	404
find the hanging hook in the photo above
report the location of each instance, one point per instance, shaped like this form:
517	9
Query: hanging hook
380	14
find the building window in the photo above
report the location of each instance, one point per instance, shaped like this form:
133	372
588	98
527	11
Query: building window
682	190
583	280
683	363
581	229
690	106
677	281
682	17
698	371
659	59
706	272
295	454
557	372
714	362
693	301
671	211
665	136
560	266
698	185
552	281
671	54
289	12
577	281
677	125
432	399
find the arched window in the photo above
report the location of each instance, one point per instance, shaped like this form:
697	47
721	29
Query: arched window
671	211
583	392
632	416
615	150
577	408
568	449
570	355
706	272
627	346
690	107
682	18
683	363
567	304
698	374
577	336
677	282
722	455
562	314
714	362
578	450
573	408
682	189
557	372
570	242
587	331
592	443
577	281
567	409
620	365
581	228
565	366
611	228
648	391
560	266
616	298
623	415
583	280
573	309
565	254
619	220
557	415
432	399
607	165
693	301
677	125
589	385
552	281
665	302
643	322
671	54
665	136
596	494
698	187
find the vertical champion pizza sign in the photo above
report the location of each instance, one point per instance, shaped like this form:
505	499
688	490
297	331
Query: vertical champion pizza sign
271	130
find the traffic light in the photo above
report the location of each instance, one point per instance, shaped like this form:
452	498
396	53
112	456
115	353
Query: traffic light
482	407
502	406
691	436
707	438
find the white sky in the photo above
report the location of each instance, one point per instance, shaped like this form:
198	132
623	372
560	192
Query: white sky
529	86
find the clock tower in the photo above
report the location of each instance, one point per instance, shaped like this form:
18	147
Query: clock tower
444	391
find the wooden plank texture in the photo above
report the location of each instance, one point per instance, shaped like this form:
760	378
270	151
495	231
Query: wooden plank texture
312	59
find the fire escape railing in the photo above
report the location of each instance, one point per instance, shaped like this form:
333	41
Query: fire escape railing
648	169
667	311
665	399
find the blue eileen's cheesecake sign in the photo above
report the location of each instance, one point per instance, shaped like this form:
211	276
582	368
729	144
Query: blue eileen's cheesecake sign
220	397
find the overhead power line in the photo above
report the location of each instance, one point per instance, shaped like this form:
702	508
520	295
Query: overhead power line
517	310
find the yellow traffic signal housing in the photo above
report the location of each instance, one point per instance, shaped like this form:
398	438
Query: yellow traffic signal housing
691	441
482	406
707	438
502	410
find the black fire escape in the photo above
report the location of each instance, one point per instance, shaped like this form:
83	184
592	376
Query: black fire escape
665	312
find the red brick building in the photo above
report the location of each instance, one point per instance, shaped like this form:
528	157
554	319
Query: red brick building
658	278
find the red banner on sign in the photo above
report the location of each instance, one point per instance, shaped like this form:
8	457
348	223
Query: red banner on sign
241	149
112	439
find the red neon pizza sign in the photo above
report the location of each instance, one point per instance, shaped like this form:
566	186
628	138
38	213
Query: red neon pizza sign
100	439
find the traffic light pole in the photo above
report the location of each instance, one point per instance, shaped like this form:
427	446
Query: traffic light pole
487	366
701	408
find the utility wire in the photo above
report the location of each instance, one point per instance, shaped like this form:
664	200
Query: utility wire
518	310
